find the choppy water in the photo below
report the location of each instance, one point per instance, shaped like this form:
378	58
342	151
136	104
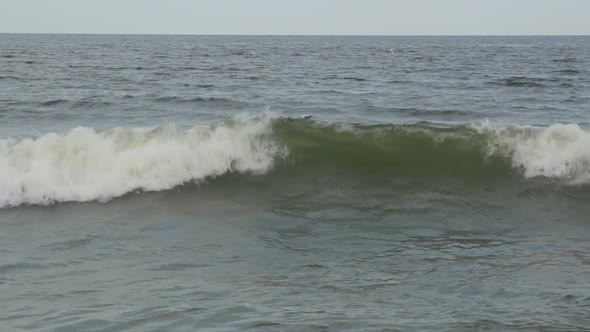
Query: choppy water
177	183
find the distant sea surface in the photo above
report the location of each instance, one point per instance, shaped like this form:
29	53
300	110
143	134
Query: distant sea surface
235	183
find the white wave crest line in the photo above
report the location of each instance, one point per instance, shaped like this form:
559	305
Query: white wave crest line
85	165
560	151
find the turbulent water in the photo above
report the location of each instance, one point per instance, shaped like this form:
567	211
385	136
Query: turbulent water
181	183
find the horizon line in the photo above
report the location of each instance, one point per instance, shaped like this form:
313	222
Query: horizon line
291	35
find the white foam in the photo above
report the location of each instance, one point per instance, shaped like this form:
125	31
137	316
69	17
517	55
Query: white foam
560	151
85	165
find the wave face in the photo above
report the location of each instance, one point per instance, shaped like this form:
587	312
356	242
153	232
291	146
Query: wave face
559	152
86	165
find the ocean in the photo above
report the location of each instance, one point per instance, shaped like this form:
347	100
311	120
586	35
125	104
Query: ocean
290	183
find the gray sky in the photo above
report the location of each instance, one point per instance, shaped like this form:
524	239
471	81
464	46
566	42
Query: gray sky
343	17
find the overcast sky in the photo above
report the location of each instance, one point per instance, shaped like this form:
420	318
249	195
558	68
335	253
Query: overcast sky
300	17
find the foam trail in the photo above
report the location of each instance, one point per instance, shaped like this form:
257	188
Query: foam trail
85	165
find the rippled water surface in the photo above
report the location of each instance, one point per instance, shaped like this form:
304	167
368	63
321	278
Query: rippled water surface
182	183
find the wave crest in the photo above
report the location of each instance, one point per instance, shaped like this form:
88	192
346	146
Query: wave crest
560	151
84	165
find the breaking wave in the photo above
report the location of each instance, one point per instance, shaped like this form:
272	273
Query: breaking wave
86	165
